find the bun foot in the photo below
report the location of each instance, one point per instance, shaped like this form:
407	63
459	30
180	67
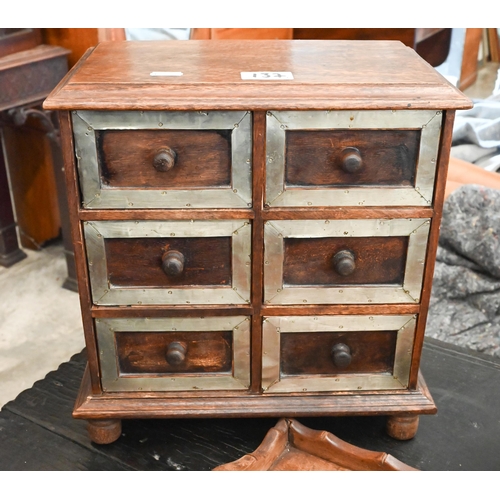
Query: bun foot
402	427
104	431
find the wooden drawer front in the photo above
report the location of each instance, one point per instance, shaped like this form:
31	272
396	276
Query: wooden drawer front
169	262
164	159
344	261
332	353
174	354
358	158
202	158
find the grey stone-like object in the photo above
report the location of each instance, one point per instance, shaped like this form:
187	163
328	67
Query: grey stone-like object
465	302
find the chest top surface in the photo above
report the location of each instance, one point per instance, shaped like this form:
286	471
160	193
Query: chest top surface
327	74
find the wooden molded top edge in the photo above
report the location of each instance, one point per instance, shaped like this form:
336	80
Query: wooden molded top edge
331	74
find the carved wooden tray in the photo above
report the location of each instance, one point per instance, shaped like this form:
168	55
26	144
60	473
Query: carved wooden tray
290	446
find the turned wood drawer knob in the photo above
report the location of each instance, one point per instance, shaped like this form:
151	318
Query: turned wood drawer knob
176	353
343	262
164	159
351	160
172	263
341	355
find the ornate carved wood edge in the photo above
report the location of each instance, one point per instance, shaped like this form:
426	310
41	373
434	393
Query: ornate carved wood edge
289	436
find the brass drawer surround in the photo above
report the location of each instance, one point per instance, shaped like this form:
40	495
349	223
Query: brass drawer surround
278	122
104	293
275	232
273	327
113	381
95	195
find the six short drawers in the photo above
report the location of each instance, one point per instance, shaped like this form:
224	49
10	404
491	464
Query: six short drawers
203	160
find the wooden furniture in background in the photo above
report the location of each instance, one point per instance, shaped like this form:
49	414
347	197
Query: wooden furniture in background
225	232
10	253
34	190
18	39
79	40
241	33
493	44
468	72
31	150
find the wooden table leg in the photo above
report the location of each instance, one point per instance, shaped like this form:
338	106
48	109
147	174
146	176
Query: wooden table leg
10	253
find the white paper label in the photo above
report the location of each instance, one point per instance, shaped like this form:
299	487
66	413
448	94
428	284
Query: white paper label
165	73
266	75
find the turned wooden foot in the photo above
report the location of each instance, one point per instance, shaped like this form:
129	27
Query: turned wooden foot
402	427
104	431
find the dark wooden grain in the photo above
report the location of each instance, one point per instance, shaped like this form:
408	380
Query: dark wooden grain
143	352
138	261
309	353
209	404
258	183
433	241
314	158
272	310
339	213
158	311
378	260
171	214
373	78
73	192
163	311
203	158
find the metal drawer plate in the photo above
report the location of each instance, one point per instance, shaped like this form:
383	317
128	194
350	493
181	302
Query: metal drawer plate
103	293
272	382
113	381
238	195
278	122
276	231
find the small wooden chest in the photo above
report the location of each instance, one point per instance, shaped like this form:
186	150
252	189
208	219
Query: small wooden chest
255	227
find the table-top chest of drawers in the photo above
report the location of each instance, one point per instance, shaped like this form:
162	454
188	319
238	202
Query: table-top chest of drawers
255	225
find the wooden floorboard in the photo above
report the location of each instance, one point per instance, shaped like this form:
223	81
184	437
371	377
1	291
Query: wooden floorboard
37	431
